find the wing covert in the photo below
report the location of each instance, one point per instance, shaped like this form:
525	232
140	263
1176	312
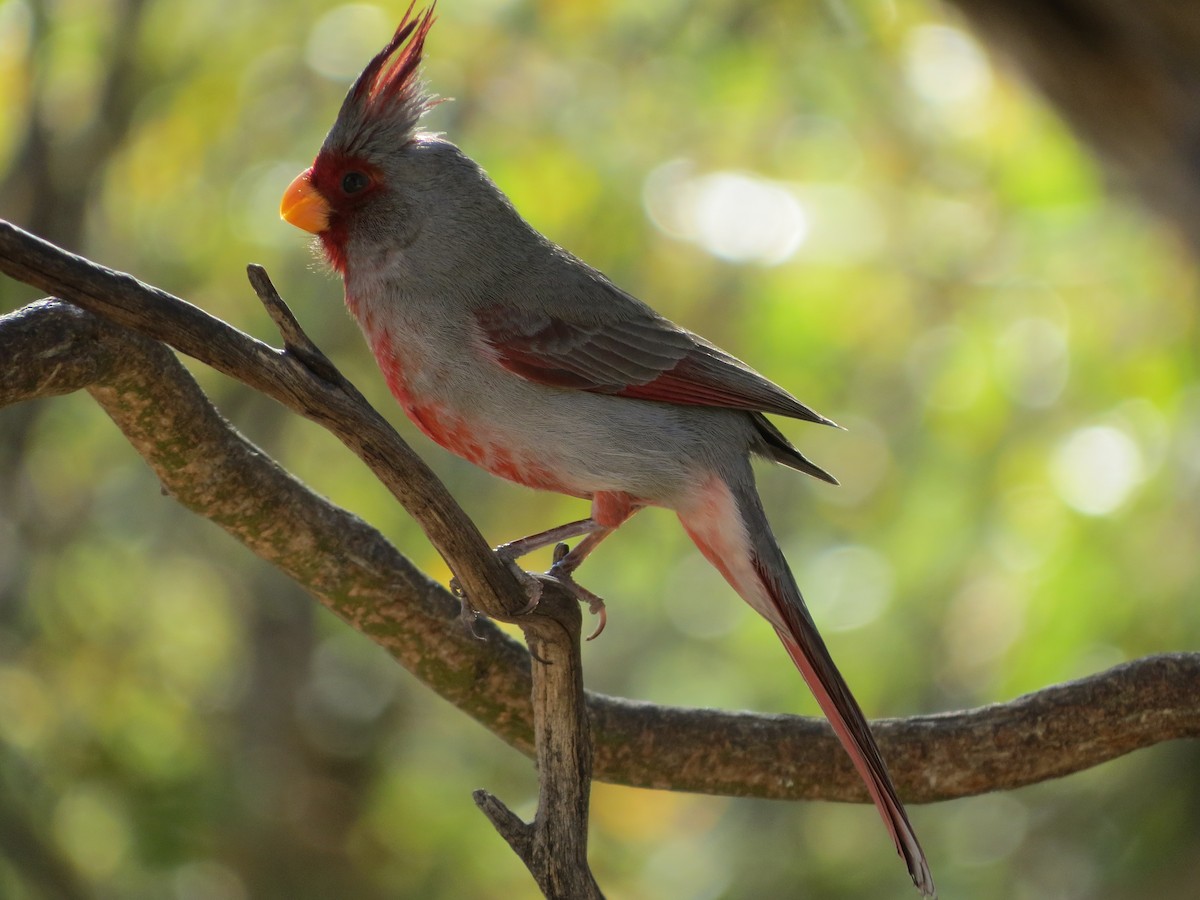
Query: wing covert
645	357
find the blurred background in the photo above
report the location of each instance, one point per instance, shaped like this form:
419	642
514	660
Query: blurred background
853	195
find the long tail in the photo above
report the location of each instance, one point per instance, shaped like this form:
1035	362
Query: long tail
727	523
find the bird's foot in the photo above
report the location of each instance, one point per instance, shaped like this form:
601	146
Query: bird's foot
563	575
561	571
470	615
533	587
467	613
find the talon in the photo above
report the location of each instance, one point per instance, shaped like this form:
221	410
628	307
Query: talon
468	614
560	551
470	619
594	603
530	606
596	608
533	588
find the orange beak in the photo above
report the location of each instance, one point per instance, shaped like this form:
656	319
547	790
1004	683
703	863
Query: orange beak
303	205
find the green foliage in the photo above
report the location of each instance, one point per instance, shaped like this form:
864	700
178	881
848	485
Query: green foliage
850	195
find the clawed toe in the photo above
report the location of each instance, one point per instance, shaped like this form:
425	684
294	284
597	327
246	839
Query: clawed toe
566	561
596	608
594	603
533	590
468	614
533	587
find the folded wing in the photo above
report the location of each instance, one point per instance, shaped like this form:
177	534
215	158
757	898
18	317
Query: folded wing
645	357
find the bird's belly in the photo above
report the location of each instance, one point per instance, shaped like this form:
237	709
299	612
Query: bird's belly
493	453
569	442
473	440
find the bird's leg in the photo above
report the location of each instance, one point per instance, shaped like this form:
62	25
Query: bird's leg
513	551
566	561
516	549
609	510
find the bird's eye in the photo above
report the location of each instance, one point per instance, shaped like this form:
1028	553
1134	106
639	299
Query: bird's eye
353	182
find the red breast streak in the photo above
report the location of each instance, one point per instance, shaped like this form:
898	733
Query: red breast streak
458	435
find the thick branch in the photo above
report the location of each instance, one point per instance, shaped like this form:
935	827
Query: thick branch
209	468
338	407
51	349
554	845
1047	734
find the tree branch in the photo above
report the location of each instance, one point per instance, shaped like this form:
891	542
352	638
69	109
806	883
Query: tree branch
554	845
284	377
50	348
50	355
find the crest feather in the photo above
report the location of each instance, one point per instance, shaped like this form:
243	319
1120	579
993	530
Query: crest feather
388	98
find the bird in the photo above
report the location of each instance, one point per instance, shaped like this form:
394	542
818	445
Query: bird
512	353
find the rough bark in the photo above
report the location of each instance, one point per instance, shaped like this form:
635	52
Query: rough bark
554	846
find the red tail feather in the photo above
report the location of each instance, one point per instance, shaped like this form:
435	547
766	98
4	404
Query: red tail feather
807	650
728	525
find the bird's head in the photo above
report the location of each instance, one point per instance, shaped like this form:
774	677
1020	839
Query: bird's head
361	185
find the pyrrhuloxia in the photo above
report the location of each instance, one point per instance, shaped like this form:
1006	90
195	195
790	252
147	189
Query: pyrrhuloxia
508	351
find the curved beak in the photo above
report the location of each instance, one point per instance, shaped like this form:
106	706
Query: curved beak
303	205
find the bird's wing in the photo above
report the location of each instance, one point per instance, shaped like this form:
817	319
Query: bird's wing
642	356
